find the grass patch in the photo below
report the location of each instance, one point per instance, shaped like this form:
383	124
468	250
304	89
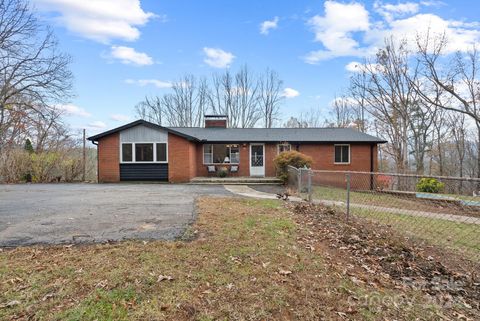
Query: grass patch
103	305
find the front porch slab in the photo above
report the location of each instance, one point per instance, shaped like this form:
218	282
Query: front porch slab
235	180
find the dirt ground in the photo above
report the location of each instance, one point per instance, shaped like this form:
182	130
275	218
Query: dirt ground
244	260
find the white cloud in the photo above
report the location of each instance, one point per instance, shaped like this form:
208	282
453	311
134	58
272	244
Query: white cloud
290	93
335	30
97	124
119	117
268	25
460	36
144	82
73	110
389	11
345	30
99	20
128	55
356	66
217	58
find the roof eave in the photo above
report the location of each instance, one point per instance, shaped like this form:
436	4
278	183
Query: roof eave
136	123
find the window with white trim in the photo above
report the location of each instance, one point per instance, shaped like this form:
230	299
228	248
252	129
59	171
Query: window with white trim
221	154
342	154
161	152
144	153
127	155
284	148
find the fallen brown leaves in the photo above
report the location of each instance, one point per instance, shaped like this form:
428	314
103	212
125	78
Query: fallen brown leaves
377	257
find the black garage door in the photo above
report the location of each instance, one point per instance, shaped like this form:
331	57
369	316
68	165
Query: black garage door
144	172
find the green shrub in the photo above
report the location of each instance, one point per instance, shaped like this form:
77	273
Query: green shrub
430	185
44	166
222	172
292	158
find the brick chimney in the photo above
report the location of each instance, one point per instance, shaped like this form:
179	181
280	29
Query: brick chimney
216	121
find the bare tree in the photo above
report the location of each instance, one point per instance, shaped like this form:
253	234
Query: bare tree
384	85
270	97
183	107
342	112
459	134
247	88
294	122
358	95
223	97
458	81
422	118
310	119
34	75
150	109
236	96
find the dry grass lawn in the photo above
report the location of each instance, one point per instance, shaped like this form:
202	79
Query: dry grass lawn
242	260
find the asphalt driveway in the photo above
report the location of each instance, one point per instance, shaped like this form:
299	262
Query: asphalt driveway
79	213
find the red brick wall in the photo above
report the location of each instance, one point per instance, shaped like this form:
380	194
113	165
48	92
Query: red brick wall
108	158
181	159
322	154
216	123
270	154
323	157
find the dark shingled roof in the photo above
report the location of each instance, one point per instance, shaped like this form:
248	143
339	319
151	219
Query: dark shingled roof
312	135
321	135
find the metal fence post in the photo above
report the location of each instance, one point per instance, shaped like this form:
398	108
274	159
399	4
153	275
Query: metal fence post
310	185
348	195
299	180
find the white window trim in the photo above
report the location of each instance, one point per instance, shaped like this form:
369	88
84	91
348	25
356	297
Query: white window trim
349	154
154	153
283	144
229	155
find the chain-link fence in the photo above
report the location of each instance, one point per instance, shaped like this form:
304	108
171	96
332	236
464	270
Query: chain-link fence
444	211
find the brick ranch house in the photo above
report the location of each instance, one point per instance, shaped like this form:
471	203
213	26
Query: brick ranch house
145	151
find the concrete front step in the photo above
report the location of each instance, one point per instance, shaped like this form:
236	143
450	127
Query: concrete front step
236	180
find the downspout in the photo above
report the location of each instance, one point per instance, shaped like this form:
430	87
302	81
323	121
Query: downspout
98	172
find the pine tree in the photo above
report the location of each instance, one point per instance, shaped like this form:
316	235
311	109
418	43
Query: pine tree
28	146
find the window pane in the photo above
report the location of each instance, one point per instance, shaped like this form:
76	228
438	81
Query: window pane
284	148
220	153
207	158
207	154
345	154
207	149
234	154
126	152
161	152
338	154
144	152
256	155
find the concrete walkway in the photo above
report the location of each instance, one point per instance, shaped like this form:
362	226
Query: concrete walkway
250	192
246	191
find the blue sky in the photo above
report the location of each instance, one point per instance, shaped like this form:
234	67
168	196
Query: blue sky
125	49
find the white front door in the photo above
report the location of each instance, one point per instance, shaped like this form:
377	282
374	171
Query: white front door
257	160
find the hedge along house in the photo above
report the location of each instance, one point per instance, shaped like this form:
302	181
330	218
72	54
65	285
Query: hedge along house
145	151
